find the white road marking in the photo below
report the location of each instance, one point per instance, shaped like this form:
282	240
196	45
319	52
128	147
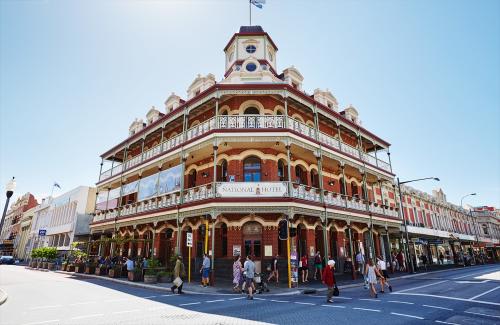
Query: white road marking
126	311
441	322
149	297
471	282
333	306
87	316
168	295
43	307
469	275
484	293
401	302
470	312
437	307
305	303
450	298
83	303
366	299
424	286
260	299
43	322
218	300
367	309
278	300
406	315
191	303
341	297
237	298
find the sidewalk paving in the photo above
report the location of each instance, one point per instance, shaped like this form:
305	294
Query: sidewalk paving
225	287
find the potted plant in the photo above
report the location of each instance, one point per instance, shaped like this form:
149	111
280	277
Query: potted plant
90	267
135	275
102	269
115	271
50	254
150	276
164	277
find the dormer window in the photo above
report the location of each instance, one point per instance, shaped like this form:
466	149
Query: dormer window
197	92
270	55
251	49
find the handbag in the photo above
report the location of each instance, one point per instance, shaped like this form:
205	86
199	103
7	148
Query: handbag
336	291
177	282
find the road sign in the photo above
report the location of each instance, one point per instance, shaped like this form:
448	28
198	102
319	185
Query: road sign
189	239
42	232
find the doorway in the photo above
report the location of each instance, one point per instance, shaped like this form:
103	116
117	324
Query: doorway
252	243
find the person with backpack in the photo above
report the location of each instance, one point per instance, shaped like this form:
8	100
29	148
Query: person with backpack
179	274
318	266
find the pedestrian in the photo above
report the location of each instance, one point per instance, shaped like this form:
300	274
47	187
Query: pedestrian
274	270
441	258
205	270
130	263
371	273
305	268
384	279
249	271
318	266
179	274
360	260
423	258
237	270
329	280
144	263
401	261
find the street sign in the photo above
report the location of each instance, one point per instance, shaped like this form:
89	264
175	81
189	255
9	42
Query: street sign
42	232
189	239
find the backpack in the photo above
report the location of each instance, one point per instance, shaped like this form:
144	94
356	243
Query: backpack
317	259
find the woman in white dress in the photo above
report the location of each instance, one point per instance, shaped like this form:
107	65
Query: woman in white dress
371	273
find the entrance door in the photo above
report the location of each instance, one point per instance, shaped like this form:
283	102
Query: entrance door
252	243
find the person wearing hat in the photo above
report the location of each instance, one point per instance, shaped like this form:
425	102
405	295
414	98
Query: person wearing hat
329	280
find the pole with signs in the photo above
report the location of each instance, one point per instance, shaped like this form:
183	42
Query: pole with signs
189	244
206	236
288	255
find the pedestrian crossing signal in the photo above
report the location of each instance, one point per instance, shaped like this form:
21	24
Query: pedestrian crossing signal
283	229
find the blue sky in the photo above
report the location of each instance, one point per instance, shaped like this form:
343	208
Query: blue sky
424	75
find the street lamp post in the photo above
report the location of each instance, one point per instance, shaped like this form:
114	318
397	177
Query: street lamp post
407	246
9	190
471	217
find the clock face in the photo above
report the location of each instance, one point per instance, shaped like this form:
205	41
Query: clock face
251	49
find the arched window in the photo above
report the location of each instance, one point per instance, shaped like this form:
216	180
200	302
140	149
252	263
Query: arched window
300	175
222	173
251	169
169	233
314	178
251	111
279	112
192	178
354	190
281	171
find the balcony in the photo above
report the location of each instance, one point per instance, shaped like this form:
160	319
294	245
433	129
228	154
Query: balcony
244	190
245	122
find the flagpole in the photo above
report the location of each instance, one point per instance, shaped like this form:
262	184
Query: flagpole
250	9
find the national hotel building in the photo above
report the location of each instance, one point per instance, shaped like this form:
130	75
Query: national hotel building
235	157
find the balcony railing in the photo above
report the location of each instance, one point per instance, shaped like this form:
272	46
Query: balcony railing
245	122
243	190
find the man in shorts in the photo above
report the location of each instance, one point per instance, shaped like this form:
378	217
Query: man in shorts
249	269
384	279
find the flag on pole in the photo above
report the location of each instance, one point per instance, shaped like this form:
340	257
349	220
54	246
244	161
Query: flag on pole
57	185
258	3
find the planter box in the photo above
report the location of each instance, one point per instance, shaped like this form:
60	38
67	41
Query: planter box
133	276
70	268
63	267
34	264
89	269
45	265
101	271
51	266
165	279
150	279
79	268
39	265
115	272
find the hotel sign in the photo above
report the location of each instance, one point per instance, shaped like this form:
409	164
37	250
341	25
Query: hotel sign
252	189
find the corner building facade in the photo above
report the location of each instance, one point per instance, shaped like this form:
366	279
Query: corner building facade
237	156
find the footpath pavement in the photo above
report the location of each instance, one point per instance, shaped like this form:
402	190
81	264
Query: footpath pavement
225	287
3	296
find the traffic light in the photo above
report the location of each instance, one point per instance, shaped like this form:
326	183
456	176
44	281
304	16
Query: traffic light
293	232
283	229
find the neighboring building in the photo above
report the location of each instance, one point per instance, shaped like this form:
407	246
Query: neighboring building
63	219
437	227
12	224
488	221
238	156
20	246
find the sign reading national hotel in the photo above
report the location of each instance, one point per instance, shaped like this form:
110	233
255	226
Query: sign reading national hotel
258	189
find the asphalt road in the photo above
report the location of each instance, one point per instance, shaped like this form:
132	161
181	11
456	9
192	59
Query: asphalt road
457	296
